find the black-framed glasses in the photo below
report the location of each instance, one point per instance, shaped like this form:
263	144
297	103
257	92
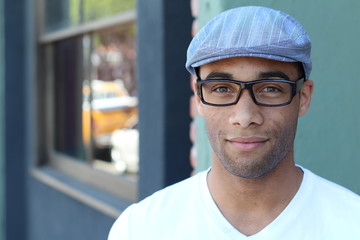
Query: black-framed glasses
265	92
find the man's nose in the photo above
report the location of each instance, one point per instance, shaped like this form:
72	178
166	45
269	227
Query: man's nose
245	111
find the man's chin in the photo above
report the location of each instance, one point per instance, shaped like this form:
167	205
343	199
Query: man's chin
249	171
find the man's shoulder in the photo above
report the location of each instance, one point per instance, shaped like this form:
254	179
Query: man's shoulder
180	188
333	194
332	207
326	186
177	195
155	213
174	210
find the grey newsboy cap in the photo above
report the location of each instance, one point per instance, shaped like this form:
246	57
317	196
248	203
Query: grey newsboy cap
254	32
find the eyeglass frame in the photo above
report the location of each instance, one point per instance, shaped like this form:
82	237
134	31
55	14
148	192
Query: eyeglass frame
295	88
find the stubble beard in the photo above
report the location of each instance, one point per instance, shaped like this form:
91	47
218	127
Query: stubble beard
250	165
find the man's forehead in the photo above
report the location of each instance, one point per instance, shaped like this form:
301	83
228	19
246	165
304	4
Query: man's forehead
256	67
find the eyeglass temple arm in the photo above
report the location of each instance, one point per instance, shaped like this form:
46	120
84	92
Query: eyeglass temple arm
299	84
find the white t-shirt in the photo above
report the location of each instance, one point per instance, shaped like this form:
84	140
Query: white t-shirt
319	210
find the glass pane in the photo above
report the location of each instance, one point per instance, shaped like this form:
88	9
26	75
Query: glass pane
112	97
61	14
96	99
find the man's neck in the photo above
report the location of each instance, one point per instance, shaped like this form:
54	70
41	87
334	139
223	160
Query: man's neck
251	204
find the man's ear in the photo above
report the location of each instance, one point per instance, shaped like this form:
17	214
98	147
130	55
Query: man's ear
305	97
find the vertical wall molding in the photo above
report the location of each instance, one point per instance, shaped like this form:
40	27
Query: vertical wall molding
164	32
2	123
15	142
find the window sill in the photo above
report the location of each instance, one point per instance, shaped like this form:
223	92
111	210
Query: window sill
99	200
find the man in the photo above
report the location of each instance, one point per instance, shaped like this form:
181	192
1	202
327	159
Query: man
253	66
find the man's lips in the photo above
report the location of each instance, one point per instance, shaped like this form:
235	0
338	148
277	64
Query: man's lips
247	143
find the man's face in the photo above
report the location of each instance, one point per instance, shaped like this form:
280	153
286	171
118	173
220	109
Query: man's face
250	140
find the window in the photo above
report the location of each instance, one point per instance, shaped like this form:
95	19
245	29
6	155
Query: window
87	88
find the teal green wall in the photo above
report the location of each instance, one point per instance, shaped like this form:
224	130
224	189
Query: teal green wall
328	136
2	134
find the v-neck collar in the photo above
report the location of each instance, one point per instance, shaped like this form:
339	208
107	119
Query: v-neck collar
272	230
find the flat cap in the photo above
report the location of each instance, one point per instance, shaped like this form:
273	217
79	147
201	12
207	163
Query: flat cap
251	31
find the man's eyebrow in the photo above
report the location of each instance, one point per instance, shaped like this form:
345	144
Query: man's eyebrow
261	75
219	75
275	74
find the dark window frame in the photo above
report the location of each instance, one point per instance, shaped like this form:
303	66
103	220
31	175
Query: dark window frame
121	187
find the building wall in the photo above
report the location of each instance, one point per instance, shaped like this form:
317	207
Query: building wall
327	138
37	202
2	154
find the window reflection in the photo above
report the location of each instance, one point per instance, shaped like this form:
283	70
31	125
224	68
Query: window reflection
96	100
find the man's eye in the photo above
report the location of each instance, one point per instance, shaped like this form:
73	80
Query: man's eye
222	89
271	89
